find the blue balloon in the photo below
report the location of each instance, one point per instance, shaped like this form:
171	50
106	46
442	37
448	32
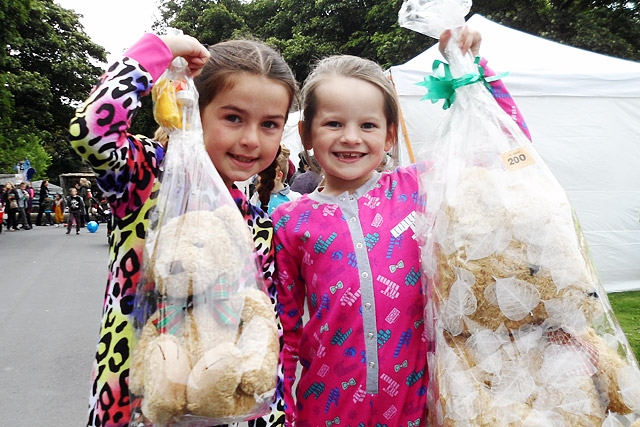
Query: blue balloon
92	226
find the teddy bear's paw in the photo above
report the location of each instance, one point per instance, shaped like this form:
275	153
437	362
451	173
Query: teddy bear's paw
252	302
139	357
214	381
165	380
259	345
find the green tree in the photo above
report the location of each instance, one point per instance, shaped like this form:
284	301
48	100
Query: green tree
607	27
49	67
13	14
306	30
303	31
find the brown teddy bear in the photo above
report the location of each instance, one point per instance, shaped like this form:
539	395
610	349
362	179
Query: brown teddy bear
211	349
523	333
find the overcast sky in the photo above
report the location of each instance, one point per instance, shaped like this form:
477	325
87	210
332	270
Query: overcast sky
114	24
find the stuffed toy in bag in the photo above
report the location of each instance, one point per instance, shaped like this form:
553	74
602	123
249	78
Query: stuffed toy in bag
211	348
526	336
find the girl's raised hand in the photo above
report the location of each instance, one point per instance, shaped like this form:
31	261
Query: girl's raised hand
470	40
190	49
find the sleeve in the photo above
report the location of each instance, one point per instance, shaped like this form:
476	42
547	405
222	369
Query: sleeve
291	292
125	165
503	98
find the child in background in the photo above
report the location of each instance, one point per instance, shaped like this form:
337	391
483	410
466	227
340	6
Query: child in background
47	205
76	210
58	210
273	190
348	249
245	93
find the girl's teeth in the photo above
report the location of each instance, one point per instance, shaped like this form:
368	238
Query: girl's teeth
243	159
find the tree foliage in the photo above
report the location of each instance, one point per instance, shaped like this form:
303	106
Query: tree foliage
47	67
48	63
307	30
607	27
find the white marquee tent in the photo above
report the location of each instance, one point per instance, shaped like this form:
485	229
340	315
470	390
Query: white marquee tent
583	111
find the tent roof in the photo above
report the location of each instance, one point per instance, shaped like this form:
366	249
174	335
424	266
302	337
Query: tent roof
536	66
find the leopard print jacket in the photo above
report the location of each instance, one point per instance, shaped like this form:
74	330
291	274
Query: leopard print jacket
126	168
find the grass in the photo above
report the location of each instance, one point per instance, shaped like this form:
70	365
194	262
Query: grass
626	306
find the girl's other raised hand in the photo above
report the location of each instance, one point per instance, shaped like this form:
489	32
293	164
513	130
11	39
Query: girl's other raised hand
190	49
470	40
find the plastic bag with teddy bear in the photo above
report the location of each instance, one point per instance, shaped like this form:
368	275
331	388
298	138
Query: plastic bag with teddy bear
208	348
519	327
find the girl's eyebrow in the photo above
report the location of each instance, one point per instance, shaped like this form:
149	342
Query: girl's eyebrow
241	110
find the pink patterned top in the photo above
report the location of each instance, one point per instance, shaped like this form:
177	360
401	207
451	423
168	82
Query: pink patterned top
355	260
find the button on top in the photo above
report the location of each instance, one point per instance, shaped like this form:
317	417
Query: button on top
365	275
368	306
359	245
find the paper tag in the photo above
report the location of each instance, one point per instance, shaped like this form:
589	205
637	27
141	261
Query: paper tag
518	158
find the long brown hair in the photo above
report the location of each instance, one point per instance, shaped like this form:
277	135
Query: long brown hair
231	58
267	179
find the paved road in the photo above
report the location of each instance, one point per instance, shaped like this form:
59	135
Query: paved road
51	291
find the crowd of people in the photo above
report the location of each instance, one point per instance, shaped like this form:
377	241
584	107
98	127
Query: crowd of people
17	202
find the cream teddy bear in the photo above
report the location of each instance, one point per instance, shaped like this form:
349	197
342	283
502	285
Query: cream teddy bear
211	349
524	334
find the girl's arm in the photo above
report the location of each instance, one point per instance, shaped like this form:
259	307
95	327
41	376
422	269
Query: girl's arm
503	98
470	40
291	293
125	165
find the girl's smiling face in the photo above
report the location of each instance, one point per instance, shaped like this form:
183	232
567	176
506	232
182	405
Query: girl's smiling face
243	125
349	133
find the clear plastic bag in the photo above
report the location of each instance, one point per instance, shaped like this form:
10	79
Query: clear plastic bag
519	327
208	347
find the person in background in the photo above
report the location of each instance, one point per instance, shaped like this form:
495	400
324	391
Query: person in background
76	210
2	208
271	193
309	180
29	206
11	196
23	201
48	209
84	191
58	210
291	168
43	193
302	167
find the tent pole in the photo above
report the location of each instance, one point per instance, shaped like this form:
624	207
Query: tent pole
403	124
